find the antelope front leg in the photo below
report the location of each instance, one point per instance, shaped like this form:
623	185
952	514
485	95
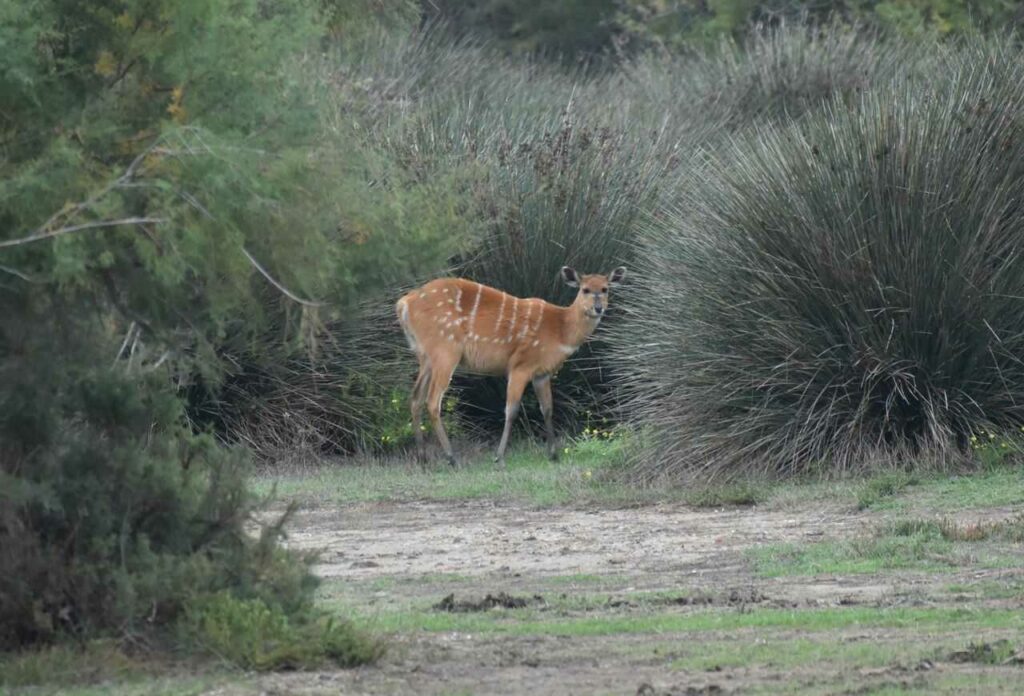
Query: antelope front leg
516	385
542	388
441	370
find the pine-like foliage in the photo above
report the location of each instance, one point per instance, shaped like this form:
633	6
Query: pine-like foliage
160	207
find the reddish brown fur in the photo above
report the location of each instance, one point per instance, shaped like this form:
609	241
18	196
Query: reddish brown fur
452	322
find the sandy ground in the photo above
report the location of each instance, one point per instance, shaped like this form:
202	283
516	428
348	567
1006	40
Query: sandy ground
425	551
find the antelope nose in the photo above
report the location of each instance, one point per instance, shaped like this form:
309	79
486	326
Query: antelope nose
598	309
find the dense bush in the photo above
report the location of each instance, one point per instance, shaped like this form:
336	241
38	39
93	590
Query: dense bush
160	211
113	517
842	290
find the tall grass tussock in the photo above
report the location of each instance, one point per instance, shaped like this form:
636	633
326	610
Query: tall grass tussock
840	291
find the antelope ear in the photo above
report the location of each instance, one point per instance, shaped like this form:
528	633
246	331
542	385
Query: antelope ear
570	277
616	276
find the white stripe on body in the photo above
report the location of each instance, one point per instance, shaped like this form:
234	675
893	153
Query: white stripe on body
526	318
476	306
512	323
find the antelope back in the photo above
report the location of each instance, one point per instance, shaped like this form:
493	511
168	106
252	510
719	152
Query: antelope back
483	328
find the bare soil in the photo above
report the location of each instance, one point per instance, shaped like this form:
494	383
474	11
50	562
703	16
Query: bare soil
475	556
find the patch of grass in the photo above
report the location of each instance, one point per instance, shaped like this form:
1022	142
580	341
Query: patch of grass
994	488
1011	530
176	684
897	680
531	621
737	493
585	473
987	682
931	492
984	653
390	582
852	557
251	635
576	579
882	488
1006	588
904	544
591	472
779	650
68	664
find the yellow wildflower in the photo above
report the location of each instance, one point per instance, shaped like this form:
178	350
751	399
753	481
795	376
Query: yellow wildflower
175	108
124	21
106	64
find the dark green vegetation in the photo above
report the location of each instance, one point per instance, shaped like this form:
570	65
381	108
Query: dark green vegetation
592	30
155	163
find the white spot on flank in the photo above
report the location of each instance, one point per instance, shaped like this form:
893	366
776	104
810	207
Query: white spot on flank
535	342
423	294
451	337
434	291
458	299
568	350
439	303
540	315
444	290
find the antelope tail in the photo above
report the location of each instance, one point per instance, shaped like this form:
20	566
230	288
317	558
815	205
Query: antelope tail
402	309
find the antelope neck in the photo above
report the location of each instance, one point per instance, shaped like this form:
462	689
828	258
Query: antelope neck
579	326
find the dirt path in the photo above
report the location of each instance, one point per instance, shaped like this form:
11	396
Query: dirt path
475	538
391	555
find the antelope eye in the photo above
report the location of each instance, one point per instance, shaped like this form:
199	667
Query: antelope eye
586	291
604	291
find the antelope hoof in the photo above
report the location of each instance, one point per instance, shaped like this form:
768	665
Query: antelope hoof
450	458
499	460
553	454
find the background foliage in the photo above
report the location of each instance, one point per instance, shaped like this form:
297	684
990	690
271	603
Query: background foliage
584	31
207	210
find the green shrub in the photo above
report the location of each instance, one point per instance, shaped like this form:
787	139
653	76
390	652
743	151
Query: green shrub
113	514
254	636
841	291
160	211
